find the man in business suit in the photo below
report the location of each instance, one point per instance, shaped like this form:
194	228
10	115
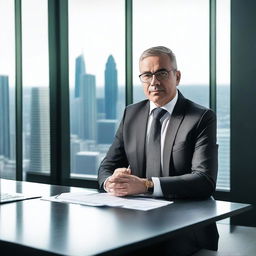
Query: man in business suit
187	155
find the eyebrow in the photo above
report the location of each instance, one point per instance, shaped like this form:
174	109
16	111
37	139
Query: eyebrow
148	72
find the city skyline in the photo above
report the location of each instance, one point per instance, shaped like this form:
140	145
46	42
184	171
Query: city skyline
81	14
92	133
93	119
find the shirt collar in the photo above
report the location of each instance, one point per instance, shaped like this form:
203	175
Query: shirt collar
168	107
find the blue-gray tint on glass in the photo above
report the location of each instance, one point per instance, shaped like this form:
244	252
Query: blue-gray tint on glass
196	93
88	107
40	130
111	89
4	117
80	71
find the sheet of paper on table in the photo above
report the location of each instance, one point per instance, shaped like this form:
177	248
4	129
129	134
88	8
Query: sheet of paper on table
103	199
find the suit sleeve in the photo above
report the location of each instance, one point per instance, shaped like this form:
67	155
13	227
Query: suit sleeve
200	180
115	158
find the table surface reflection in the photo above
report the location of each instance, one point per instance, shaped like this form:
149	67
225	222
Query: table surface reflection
69	229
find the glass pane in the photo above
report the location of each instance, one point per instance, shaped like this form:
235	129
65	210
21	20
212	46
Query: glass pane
97	79
223	92
182	26
36	119
7	90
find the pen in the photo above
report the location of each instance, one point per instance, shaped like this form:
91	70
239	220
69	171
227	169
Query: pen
129	168
56	197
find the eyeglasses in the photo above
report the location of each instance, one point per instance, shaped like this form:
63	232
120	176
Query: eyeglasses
160	75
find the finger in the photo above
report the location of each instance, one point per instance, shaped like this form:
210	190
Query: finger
121	185
127	178
122	194
119	179
124	175
128	171
119	170
118	186
119	192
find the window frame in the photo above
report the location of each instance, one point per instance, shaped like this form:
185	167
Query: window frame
59	95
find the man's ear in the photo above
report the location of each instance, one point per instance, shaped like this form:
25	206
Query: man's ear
178	76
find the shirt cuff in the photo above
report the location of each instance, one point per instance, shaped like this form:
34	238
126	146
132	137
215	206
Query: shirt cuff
105	182
157	187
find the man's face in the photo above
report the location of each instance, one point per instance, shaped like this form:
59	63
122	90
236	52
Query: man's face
163	91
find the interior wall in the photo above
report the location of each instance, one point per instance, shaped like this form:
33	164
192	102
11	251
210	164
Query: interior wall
243	107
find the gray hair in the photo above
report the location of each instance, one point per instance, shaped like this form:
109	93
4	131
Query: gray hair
157	51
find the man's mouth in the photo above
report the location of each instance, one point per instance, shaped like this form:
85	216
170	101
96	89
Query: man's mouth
155	89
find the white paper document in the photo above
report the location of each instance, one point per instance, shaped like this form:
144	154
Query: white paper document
104	199
13	197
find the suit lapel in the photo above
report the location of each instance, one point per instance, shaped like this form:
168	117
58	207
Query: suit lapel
174	124
141	134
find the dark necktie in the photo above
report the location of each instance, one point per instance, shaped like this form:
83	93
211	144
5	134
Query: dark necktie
153	167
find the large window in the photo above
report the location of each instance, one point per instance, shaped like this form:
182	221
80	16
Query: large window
96	55
7	90
182	29
177	25
97	80
36	114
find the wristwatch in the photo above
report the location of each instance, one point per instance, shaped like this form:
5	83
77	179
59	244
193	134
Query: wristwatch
149	185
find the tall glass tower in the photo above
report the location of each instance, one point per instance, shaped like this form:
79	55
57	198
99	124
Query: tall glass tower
4	117
111	88
79	72
88	107
40	130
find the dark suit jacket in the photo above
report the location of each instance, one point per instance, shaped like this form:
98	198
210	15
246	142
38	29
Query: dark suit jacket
190	150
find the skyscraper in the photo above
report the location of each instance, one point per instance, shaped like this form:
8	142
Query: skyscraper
106	129
4	117
40	130
110	88
86	162
88	108
79	72
75	113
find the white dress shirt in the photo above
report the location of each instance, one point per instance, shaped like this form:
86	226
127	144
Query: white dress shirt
166	119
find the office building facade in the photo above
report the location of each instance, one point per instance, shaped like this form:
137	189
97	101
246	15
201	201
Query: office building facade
86	162
87	129
106	129
111	88
4	117
40	130
79	72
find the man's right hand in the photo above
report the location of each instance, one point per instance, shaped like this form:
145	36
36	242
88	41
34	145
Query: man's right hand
116	173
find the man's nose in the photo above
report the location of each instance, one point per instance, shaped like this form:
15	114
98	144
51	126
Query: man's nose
154	81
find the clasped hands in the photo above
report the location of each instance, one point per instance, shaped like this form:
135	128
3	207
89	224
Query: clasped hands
123	183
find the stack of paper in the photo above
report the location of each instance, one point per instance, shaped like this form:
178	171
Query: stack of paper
104	199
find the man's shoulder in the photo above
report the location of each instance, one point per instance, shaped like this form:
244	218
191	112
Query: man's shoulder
195	109
196	106
136	112
137	106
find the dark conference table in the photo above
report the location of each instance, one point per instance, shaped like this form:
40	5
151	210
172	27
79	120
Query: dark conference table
37	227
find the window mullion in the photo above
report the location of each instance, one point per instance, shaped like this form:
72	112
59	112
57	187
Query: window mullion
128	52
212	57
18	89
59	91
